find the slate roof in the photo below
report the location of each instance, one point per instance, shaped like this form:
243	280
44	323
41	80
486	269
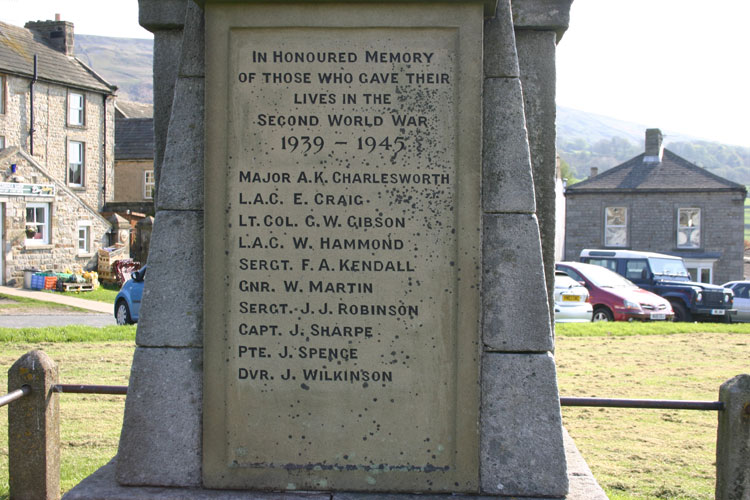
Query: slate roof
672	174
17	49
134	139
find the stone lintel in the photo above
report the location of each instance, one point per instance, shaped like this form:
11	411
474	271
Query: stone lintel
172	310
489	5
542	15
522	451
156	15
160	444
515	307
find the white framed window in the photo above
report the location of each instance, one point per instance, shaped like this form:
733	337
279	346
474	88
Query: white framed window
76	109
616	227
689	228
84	237
2	142
37	224
149	184
701	270
76	152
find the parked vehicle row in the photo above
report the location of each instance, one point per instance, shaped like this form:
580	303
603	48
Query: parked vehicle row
666	276
615	298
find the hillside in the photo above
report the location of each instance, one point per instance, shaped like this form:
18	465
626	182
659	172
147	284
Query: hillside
584	140
125	62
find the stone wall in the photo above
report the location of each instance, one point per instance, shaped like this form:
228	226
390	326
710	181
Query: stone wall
652	225
66	214
52	134
129	180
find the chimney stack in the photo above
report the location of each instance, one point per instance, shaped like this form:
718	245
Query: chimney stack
56	34
594	172
654	147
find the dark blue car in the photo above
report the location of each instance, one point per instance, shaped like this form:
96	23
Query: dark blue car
128	299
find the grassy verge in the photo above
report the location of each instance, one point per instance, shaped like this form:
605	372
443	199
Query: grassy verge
12	305
635	454
71	333
104	293
624	329
649	454
90	424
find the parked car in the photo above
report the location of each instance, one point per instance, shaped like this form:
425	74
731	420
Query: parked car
615	298
741	291
666	275
571	300
128	299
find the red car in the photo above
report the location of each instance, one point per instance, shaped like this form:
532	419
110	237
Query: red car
615	298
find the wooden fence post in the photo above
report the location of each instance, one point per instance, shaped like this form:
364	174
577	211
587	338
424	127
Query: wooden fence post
733	440
34	430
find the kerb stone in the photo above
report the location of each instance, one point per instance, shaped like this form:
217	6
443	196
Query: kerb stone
160	442
522	449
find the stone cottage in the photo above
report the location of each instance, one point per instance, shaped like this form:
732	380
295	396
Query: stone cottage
660	202
134	165
57	156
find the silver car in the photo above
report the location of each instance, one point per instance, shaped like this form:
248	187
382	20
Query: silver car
741	291
571	300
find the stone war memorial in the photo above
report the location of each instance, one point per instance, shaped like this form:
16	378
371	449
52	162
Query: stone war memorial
346	294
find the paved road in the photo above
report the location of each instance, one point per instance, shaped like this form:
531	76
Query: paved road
39	320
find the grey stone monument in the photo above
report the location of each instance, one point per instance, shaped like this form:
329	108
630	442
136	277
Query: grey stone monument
346	294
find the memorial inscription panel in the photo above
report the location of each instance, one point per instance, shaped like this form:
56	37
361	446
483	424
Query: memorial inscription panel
342	264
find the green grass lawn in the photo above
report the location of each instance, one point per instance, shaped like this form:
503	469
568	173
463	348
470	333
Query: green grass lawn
104	293
649	454
634	454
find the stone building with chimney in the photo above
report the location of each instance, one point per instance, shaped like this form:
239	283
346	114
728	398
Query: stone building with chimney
660	202
56	152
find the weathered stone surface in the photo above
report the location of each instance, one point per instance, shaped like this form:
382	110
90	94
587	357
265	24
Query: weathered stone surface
160	444
34	430
733	442
191	55
102	486
500	58
522	450
161	14
181	181
514	302
536	56
172	308
507	181
537	15
166	63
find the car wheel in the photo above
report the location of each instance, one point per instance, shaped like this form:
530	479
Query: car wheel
602	314
122	313
680	312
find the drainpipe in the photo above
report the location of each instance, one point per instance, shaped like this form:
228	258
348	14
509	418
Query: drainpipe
104	183
31	108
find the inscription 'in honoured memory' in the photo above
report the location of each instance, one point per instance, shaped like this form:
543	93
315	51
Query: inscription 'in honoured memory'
342	236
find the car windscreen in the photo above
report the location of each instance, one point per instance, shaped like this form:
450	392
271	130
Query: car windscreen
668	267
565	282
604	278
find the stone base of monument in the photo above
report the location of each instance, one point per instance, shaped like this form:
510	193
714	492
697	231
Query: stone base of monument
102	485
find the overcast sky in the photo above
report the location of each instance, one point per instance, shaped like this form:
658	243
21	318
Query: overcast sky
680	65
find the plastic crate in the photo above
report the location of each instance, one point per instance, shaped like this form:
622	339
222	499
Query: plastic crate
50	282
37	281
